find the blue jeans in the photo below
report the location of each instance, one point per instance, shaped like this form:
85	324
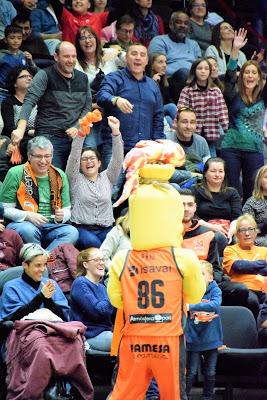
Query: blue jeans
91	238
48	235
170	111
209	370
94	138
62	147
101	343
247	162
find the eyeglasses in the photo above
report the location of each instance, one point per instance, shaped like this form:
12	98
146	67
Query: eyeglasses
85	159
129	31
202	5
24	76
243	231
98	260
40	157
84	38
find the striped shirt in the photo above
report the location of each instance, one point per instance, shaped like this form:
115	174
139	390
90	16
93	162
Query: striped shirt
210	108
91	200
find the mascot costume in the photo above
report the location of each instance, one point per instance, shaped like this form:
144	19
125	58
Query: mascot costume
153	282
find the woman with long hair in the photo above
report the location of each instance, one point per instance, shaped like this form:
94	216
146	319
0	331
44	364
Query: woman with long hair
89	300
243	144
206	99
218	205
221	47
256	206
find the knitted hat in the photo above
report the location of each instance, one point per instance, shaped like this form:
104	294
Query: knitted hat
31	250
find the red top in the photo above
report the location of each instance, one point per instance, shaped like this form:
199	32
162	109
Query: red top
70	23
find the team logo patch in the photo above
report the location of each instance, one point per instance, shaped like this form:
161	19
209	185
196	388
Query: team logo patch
133	270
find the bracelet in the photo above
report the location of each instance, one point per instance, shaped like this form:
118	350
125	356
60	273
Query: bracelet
114	100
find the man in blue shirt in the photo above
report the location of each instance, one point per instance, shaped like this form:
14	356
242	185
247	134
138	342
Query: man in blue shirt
134	99
180	51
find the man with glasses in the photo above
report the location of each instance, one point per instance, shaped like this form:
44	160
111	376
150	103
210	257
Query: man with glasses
36	198
124	30
63	97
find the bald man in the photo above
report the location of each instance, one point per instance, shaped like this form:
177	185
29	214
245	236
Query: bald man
62	95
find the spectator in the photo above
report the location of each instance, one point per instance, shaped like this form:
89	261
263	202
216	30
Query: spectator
200	29
194	145
39	214
203	242
12	57
5	152
62	96
99	6
31	42
89	300
184	134
7	13
147	23
218	205
92	63
242	146
206	99
121	36
256	206
19	80
26	5
10	245
179	50
222	43
204	335
92	212
31	292
118	238
157	70
45	24
246	263
78	16
134	99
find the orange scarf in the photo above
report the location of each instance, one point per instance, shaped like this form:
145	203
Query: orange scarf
27	193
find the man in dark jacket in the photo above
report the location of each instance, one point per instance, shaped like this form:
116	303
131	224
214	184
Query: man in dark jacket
202	241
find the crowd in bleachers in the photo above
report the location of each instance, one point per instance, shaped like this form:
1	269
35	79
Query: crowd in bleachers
190	78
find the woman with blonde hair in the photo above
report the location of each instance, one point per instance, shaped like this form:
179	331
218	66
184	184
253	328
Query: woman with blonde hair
89	300
246	263
256	205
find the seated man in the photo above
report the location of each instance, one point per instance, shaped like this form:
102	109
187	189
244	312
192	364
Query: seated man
45	348
203	242
195	146
123	33
179	50
36	198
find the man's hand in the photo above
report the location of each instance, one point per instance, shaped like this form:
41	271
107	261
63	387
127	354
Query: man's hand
124	105
59	214
35	218
2	227
114	125
48	289
72	132
17	136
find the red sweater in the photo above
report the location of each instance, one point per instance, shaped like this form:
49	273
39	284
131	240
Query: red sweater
70	23
10	245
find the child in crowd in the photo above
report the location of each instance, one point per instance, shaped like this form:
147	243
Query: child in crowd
206	99
12	57
204	334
